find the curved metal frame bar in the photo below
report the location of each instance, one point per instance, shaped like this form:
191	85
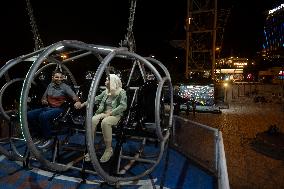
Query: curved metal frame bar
7	117
3	112
91	97
15	153
4	69
24	95
111	53
23	108
158	105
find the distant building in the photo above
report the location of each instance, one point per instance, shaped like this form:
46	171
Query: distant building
273	45
231	68
232	62
274	75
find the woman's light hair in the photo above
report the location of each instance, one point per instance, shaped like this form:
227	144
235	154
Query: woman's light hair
114	84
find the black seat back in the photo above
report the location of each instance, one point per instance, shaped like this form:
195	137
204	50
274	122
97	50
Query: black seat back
146	101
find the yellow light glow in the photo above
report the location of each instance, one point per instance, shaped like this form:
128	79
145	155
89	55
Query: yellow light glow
225	84
189	20
63	56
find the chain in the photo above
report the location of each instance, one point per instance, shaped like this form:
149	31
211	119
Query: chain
37	39
129	40
131	15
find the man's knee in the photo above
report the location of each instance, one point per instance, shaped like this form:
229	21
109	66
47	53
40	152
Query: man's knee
42	117
45	117
31	116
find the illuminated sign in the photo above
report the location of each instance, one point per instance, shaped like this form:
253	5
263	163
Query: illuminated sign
229	71
276	9
240	64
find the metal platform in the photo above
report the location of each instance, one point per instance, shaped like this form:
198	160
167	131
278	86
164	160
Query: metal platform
180	173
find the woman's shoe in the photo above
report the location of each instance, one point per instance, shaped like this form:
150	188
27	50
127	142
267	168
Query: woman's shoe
107	155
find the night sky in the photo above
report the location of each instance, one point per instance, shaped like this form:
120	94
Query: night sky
244	31
105	23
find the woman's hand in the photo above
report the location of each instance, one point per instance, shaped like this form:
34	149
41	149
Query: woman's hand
108	113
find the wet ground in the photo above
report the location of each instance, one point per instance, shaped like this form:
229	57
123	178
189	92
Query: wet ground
247	169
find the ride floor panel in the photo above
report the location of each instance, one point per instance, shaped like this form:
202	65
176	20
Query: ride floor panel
180	173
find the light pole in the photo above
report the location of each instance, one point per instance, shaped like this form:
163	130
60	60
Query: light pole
282	86
225	91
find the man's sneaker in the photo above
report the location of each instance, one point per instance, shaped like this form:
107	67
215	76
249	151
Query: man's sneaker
37	140
87	157
107	155
46	144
